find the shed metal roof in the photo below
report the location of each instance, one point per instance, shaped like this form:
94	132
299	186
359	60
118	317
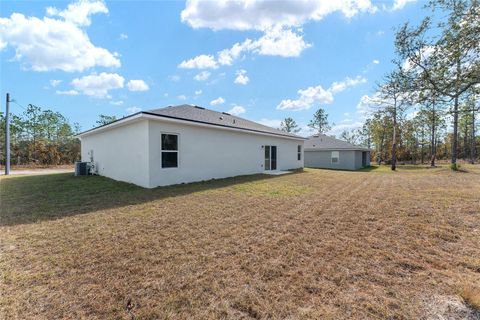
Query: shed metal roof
324	142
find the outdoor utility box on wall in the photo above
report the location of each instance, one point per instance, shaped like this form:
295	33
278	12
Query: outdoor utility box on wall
81	168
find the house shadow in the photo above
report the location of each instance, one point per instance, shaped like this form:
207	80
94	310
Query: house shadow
36	198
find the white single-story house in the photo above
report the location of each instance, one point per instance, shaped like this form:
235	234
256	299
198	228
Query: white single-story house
186	143
322	151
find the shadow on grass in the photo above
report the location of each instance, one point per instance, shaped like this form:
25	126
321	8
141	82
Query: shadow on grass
29	199
401	167
369	169
365	169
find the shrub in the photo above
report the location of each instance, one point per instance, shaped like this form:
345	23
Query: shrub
455	166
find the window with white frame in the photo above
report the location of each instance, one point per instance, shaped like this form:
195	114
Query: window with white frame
169	150
299	152
335	156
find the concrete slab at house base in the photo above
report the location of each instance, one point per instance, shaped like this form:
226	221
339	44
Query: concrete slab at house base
277	173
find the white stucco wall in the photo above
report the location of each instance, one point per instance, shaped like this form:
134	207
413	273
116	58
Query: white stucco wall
208	152
120	153
132	152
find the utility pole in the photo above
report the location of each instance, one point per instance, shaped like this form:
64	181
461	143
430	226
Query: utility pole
7	136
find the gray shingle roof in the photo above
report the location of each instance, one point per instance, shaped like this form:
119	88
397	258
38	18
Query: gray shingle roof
202	115
324	142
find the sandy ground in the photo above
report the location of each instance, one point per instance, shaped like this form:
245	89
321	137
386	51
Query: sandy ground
38	171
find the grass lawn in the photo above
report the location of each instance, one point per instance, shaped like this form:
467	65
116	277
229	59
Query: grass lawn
316	244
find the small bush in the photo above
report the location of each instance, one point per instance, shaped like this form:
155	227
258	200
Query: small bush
455	167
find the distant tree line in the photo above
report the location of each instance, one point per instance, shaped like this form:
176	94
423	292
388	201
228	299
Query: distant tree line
437	71
42	137
427	107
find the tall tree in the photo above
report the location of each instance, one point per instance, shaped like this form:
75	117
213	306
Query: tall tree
472	108
380	128
42	137
105	119
289	125
446	62
33	127
393	96
365	134
431	115
351	136
319	123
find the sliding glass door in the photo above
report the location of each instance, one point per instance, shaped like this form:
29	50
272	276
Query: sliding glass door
270	157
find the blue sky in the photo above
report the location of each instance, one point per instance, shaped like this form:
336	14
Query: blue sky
263	61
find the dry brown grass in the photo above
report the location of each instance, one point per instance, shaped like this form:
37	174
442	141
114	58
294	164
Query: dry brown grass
317	244
471	295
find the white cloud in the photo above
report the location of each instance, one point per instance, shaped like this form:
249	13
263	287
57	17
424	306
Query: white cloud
79	12
336	130
318	95
366	105
116	103
55	83
399	4
202	76
133	110
376	61
261	15
276	41
123	36
348	82
237	110
200	62
242	77
217	101
182	97
227	56
307	98
280	42
56	43
137	85
380	33
67	92
98	85
280	22
198	92
273	123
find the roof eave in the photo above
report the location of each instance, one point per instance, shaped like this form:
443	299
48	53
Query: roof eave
112	124
154	116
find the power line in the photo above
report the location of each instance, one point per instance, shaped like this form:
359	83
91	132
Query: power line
18	104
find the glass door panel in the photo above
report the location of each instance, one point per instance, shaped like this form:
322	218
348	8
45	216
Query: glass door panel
267	157
273	157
